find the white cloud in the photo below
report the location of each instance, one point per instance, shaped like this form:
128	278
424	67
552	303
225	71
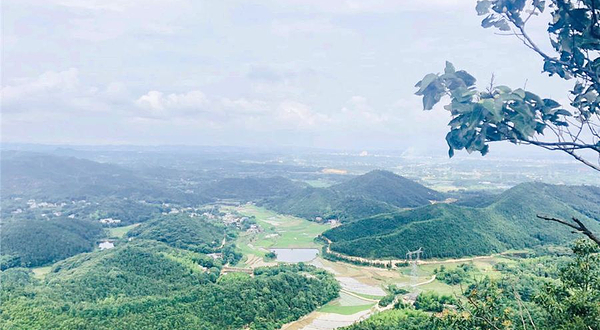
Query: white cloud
48	82
59	95
287	28
110	5
300	115
157	104
371	6
245	107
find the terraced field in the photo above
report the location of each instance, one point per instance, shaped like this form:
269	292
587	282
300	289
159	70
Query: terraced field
278	231
362	287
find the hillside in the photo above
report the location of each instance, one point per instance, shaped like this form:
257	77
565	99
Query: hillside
182	231
389	188
31	243
370	194
55	178
148	285
328	204
444	230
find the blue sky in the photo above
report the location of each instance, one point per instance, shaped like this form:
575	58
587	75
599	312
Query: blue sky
312	73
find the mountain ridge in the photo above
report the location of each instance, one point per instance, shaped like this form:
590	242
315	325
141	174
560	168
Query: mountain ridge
446	230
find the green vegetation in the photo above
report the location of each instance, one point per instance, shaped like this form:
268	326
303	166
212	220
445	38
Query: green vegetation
397	319
270	256
182	231
386	300
344	310
445	230
499	113
326	203
55	178
320	183
390	188
279	231
347	304
547	292
251	188
41	272
455	275
149	285
373	193
120	232
32	243
433	302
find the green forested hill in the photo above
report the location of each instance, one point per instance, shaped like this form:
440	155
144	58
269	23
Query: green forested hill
148	285
140	268
35	242
445	230
181	231
311	202
373	193
389	188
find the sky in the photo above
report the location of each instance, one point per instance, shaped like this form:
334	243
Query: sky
308	73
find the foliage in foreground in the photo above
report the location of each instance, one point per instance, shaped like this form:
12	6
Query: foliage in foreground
148	285
520	300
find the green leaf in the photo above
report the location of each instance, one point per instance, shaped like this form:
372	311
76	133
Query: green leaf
490	106
502	25
550	103
485	150
488	22
563	112
483	7
425	82
468	79
520	92
503	89
539	5
430	99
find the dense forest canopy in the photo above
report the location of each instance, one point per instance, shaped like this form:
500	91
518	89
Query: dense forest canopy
37	242
375	192
446	230
146	284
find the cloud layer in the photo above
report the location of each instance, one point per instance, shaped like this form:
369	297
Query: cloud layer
334	73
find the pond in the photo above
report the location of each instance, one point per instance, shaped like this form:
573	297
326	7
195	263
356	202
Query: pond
295	255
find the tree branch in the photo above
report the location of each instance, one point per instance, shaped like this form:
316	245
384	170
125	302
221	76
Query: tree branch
578	226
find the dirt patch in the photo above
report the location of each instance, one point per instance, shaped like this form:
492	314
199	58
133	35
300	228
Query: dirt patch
325	321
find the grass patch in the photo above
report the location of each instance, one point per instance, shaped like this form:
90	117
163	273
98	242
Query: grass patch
119	232
368	296
320	183
279	231
441	288
344	310
40	272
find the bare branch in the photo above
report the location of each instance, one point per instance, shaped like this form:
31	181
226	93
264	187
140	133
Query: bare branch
578	227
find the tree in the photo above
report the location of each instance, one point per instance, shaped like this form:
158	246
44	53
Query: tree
574	301
499	113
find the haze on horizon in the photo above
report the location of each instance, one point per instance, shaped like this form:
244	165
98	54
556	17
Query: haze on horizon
320	74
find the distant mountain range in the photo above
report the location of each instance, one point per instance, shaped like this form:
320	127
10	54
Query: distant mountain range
446	230
36	175
384	214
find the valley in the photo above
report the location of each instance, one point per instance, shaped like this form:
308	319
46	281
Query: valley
263	247
361	286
